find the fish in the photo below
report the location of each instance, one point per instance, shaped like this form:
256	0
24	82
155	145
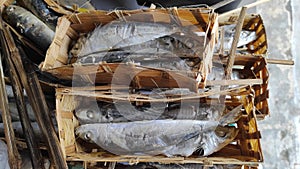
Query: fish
81	5
3	156
177	166
40	9
18	129
218	73
162	49
9	91
123	112
118	112
152	60
30	26
154	137
26	160
246	37
15	114
193	166
115	35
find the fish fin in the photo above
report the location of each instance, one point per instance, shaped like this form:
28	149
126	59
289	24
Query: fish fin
232	116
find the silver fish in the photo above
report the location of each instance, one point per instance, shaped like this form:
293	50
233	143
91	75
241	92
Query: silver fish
26	161
69	4
15	114
9	91
174	46
30	26
218	73
229	30
116	35
168	137
3	156
194	166
165	60
41	10
120	112
18	129
179	166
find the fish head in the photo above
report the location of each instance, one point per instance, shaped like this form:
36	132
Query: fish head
87	115
216	139
14	13
87	132
11	13
93	115
11	9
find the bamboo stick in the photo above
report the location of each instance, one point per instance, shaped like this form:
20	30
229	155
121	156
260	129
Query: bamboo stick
280	62
234	82
269	61
13	154
36	97
36	156
38	103
232	53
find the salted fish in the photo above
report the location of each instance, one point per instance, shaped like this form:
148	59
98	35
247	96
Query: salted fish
120	34
168	137
30	26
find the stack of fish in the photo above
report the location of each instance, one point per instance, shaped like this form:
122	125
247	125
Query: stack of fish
154	45
121	128
173	129
170	129
167	128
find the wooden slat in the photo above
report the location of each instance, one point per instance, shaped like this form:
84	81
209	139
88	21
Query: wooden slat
234	82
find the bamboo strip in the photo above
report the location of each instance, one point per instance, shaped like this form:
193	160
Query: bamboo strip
235	82
141	98
30	138
238	30
13	154
33	89
280	62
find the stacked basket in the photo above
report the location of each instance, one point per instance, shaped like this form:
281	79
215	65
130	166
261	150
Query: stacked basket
108	83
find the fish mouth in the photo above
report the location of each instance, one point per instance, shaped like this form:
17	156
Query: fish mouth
219	139
79	132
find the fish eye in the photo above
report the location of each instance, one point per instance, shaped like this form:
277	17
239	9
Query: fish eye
220	133
11	8
88	136
90	114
